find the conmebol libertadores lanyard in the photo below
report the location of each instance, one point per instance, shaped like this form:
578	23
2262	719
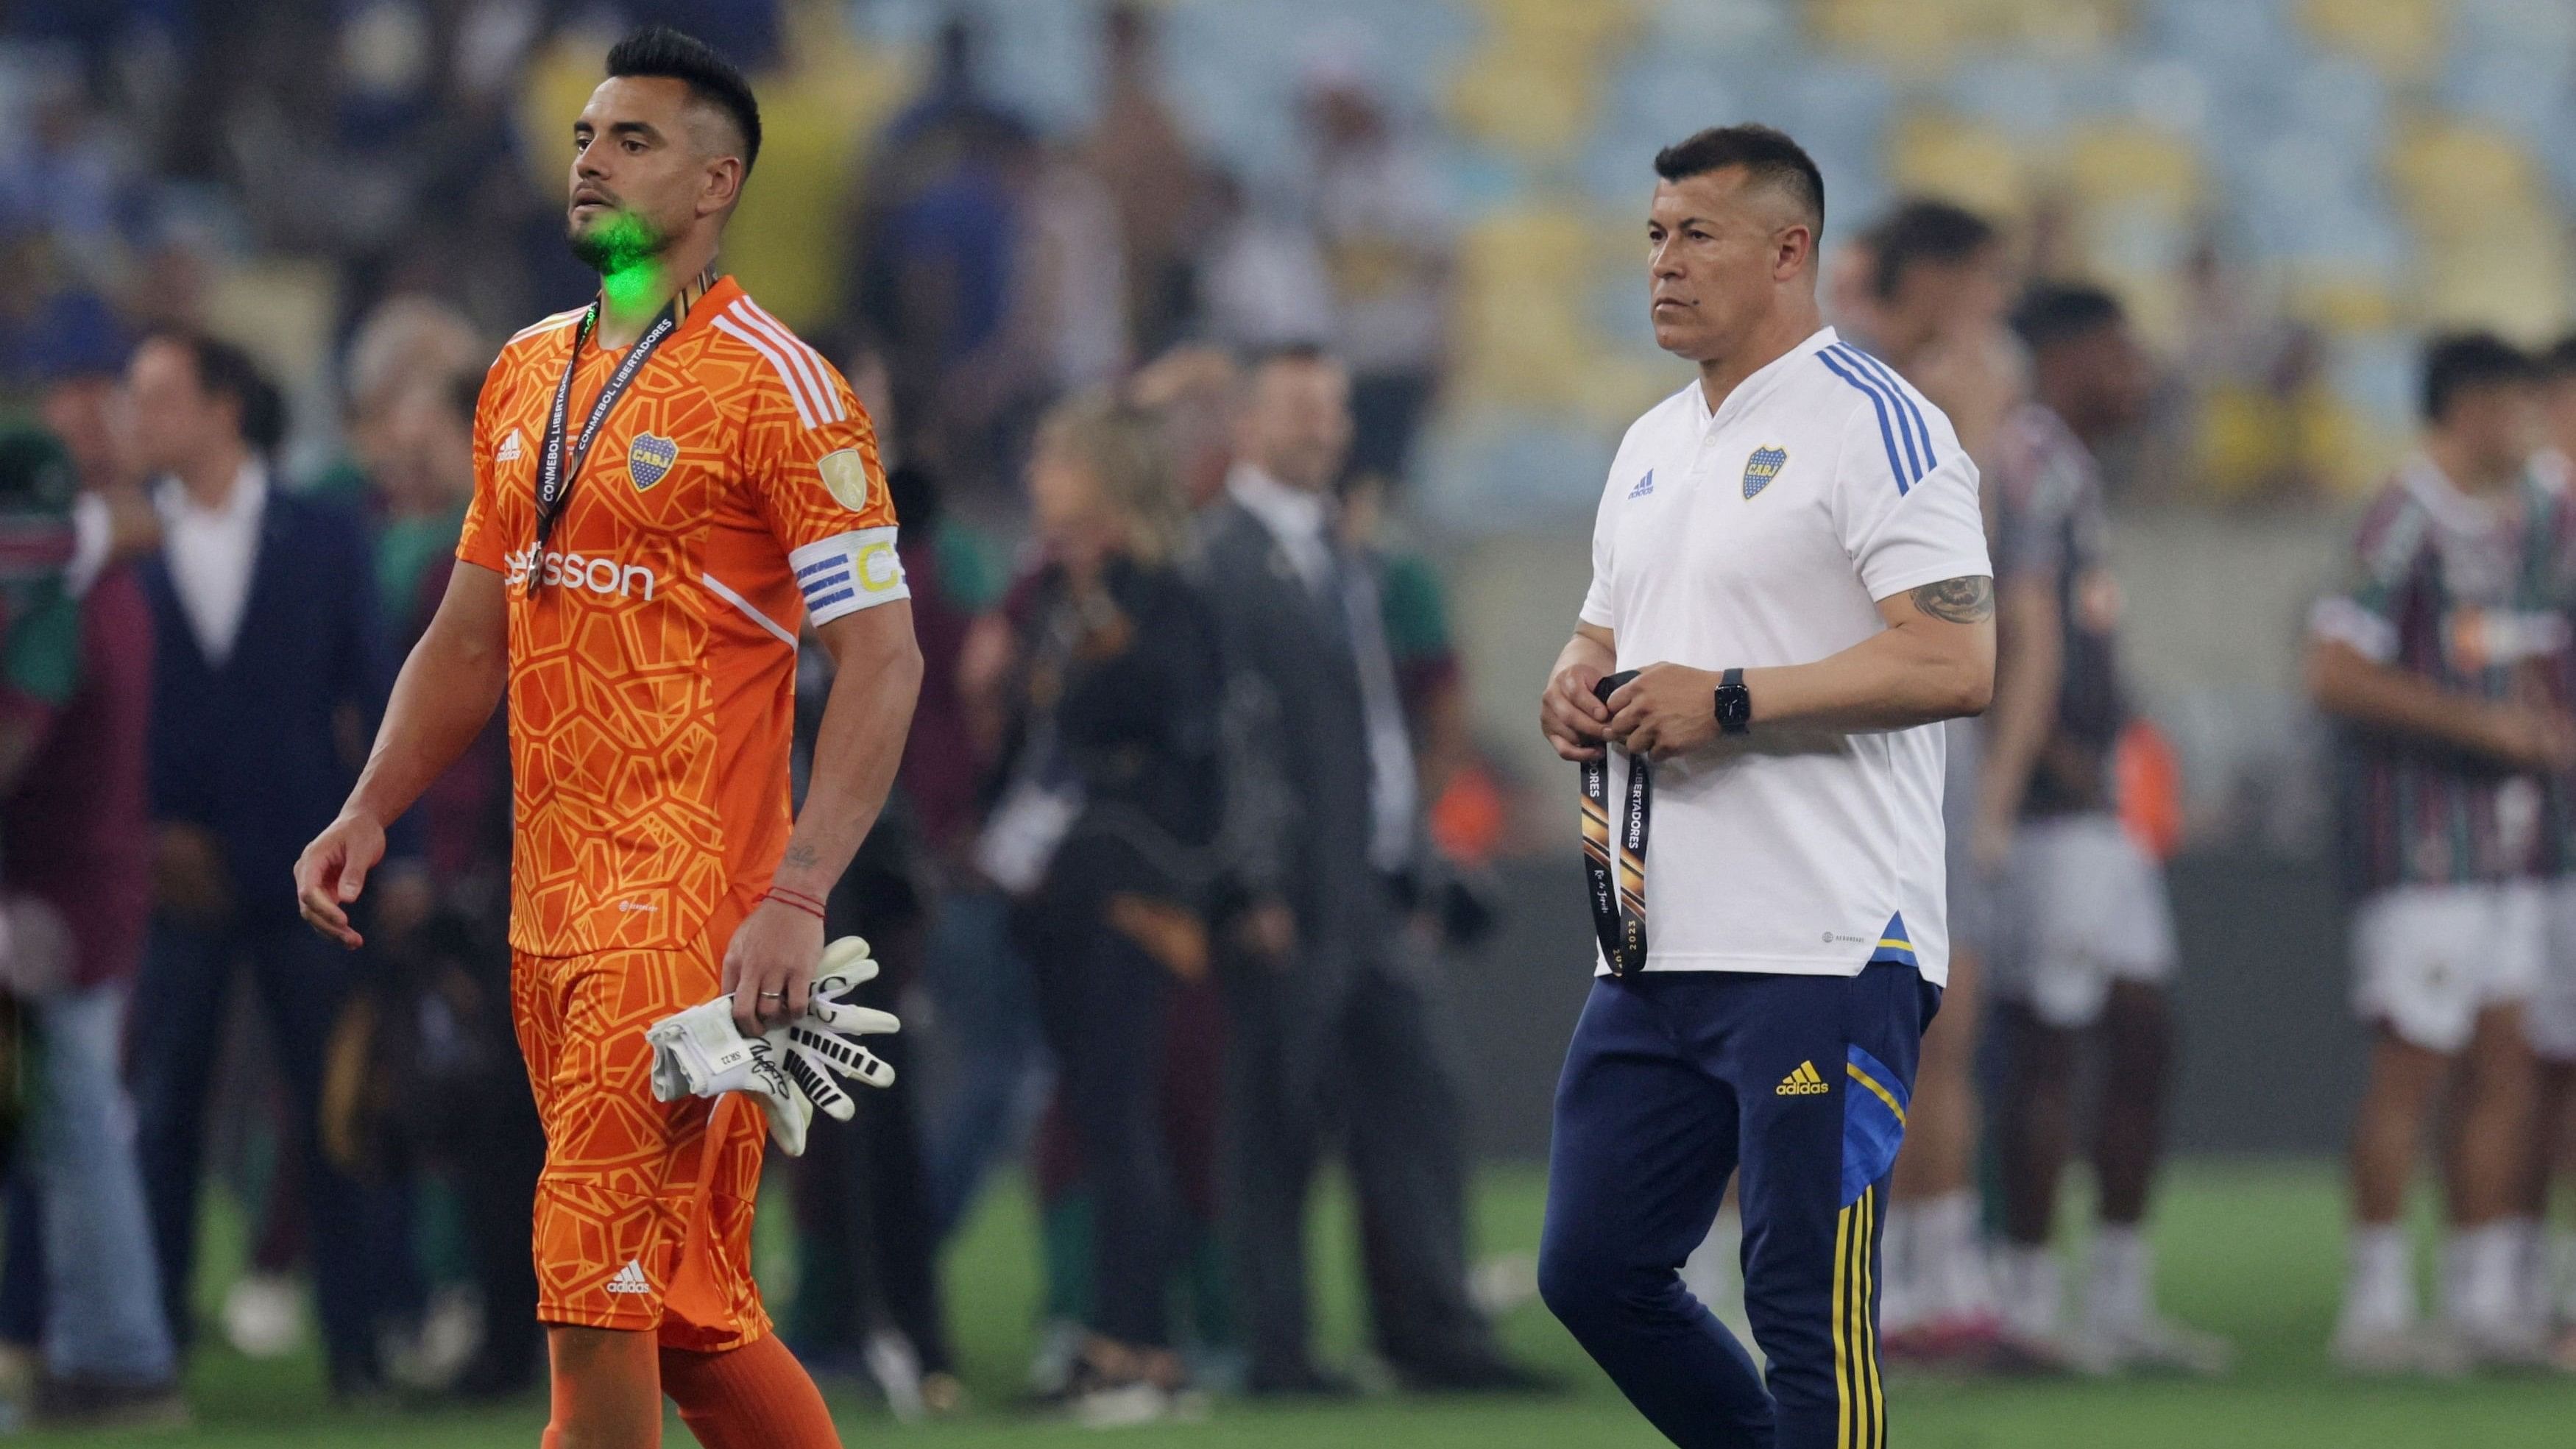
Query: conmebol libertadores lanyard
555	472
1618	904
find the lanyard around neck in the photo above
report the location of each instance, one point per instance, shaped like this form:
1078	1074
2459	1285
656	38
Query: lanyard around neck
555	470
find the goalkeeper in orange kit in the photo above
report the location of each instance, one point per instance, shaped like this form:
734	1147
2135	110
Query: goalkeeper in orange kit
669	486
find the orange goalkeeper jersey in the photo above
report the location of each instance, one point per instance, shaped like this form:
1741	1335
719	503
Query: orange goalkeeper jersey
732	494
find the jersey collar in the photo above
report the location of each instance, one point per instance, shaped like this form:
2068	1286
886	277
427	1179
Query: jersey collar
1757	384
2447	501
703	296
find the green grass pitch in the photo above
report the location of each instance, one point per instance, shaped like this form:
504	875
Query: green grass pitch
2252	1250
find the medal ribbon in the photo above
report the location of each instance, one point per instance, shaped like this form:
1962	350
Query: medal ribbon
555	472
1618	901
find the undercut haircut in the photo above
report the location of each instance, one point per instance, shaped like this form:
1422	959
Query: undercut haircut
2055	312
1767	155
2459	362
1924	230
226	371
660	52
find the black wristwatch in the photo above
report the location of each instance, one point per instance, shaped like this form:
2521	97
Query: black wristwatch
1734	703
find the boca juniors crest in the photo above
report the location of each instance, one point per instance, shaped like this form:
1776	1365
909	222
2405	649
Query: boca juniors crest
1762	467
649	459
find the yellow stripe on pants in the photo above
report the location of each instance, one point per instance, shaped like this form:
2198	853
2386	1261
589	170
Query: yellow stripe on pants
1844	1397
1862	1416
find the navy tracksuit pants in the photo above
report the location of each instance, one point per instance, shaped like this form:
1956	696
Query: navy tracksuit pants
1678	1080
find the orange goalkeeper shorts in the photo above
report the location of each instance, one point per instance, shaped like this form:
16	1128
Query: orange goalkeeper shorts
643	1216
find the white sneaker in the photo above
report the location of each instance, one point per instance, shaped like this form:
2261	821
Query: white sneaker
428	1356
2507	1344
1121	1406
2157	1344
264	1315
897	1370
2400	1351
1059	1349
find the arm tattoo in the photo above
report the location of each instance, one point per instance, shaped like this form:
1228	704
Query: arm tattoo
803	857
1961	601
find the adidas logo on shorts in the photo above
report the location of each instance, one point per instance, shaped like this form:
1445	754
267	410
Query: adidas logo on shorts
1804	1082
630	1279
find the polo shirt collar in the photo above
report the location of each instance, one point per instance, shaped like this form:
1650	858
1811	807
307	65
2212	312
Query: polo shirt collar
1757	385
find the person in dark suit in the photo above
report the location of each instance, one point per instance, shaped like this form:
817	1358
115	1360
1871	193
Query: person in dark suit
266	678
1330	981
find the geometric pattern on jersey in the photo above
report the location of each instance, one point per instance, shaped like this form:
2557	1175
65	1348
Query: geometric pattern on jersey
621	1178
652	666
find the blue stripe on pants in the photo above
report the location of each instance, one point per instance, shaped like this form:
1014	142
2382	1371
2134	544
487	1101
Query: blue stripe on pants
1676	1081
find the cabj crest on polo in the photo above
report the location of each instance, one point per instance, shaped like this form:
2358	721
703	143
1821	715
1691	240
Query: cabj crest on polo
649	459
1762	467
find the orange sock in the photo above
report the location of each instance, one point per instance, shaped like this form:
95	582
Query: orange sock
607	1389
753	1397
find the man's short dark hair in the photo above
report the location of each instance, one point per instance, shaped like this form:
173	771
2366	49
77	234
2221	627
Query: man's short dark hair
226	371
2055	312
1766	154
2558	362
660	51
1924	230
2459	362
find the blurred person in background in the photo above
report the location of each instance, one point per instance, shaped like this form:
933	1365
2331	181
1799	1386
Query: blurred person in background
2424	659
2082	958
1263	283
445	1065
1156	183
1105	834
867	1295
2550	1020
267	673
1387	231
82	1293
401	342
1193	390
1331	994
940	231
1925	286
1940	286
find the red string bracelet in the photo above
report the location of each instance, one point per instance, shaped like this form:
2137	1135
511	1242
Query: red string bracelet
808	897
790	899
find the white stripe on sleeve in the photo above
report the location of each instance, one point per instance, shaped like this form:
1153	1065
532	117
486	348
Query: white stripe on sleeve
795	394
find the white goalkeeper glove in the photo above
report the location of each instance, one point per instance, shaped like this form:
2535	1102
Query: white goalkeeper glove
701	1053
788	1069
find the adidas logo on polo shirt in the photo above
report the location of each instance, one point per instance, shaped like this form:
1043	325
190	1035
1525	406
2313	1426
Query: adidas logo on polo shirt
1804	1082
630	1279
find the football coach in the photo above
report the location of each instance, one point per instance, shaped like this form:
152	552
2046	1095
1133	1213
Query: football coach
1789	589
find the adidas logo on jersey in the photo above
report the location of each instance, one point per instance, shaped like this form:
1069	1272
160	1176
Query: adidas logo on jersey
508	452
1804	1082
630	1279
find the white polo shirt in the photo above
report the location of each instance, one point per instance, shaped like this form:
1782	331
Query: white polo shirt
1763	535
